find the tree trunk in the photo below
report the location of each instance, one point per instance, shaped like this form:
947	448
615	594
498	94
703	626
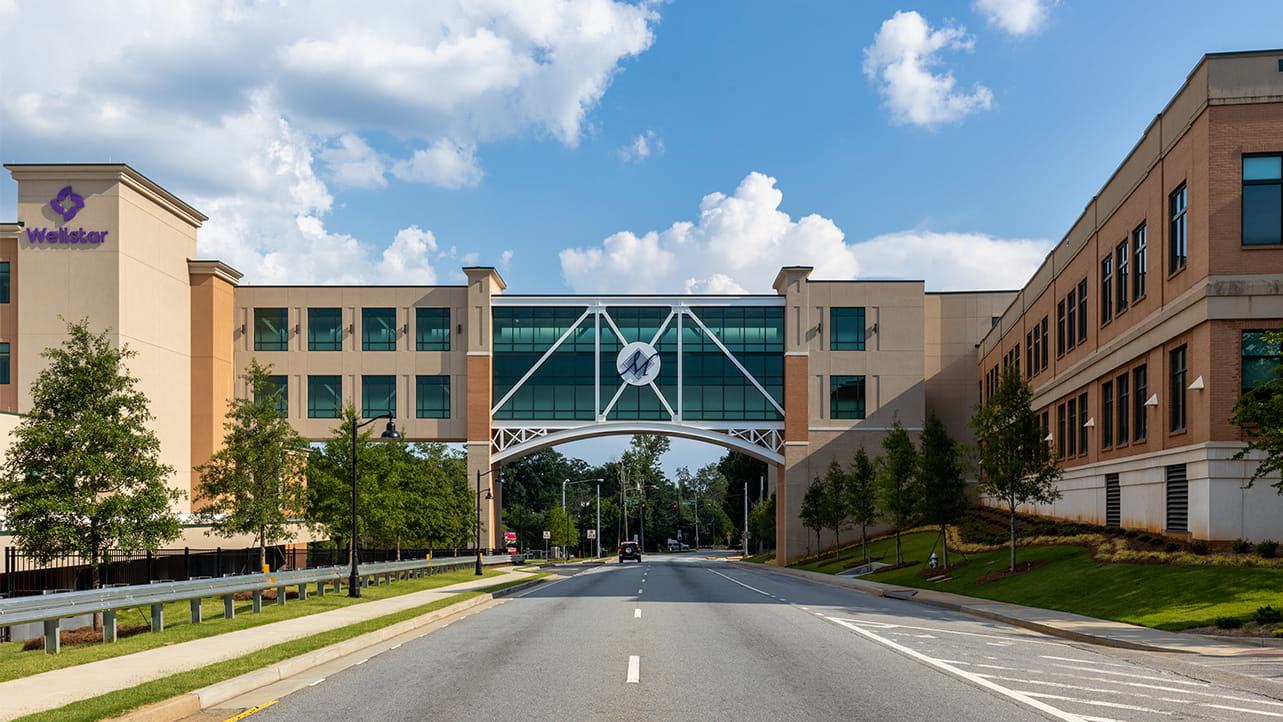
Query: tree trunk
95	580
1013	538
944	543
262	549
864	541
898	558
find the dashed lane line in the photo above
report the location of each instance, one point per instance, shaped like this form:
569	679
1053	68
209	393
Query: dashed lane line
634	670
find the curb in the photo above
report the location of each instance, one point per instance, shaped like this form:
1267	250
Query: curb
194	702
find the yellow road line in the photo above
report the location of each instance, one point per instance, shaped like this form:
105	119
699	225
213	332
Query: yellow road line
249	712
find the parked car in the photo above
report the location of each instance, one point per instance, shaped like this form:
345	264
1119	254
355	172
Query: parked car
629	550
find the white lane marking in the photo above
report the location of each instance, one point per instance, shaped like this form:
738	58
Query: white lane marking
1007	638
636	614
1165	680
1098	703
973	678
742	584
1240	709
1212	691
1080	688
1088	661
634	670
313	684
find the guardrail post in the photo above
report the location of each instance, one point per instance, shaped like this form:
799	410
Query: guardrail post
229	606
158	617
197	614
302	591
280	596
109	625
53	641
320	589
258	600
338	586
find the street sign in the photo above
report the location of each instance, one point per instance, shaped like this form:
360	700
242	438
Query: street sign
547	535
592	533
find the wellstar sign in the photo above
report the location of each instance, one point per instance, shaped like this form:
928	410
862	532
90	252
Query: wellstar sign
67	204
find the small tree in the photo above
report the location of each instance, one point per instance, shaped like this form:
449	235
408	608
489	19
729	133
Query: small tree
898	489
1015	460
254	484
761	522
811	511
833	510
944	488
1259	413
564	530
84	475
861	496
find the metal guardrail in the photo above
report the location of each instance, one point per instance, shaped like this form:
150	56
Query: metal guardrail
52	608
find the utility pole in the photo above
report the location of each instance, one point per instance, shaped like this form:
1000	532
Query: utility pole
697	523
761	497
746	518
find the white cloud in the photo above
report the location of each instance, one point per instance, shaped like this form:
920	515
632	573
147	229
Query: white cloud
445	163
408	260
1018	17
901	59
354	163
740	242
642	147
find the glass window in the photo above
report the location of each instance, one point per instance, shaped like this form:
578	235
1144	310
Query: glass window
432	397
1139	390
1071	433
1124	410
378	329
1179	372
271	329
1082	310
1061	444
4	282
1262	200
324	329
1042	329
278	386
846	397
1106	414
1260	358
1106	289
4	363
1083	418
378	396
1140	262
1071	319
432	329
324	397
1060	328
846	329
1123	254
1178	241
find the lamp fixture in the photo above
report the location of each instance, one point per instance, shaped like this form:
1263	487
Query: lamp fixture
1090	423
1152	400
458	328
242	329
1197	385
1049	437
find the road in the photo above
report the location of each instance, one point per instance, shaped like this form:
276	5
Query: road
683	637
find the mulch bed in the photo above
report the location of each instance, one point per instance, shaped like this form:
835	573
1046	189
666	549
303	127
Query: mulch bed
894	567
1006	573
85	635
928	572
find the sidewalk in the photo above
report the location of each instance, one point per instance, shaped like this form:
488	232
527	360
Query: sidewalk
51	690
1058	624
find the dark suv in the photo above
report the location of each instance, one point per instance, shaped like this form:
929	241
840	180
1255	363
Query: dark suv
629	550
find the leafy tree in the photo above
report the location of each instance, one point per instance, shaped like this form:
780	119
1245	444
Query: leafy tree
563	528
1259	413
861	496
1015	461
944	488
743	474
897	480
254	484
84	474
833	510
443	505
761	522
811	513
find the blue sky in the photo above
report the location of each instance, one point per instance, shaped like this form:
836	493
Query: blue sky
584	147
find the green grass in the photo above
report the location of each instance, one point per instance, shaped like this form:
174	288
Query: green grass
1163	596
119	702
15	663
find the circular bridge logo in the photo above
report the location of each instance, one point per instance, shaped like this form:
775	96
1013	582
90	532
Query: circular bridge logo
638	363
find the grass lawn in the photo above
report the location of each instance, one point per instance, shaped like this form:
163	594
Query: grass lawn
15	663
1164	596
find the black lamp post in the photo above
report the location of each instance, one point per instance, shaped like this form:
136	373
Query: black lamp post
354	579
480	474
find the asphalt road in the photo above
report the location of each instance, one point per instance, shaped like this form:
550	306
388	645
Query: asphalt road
682	637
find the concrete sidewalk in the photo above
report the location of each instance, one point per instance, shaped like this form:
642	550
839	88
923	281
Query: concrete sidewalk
1058	624
51	690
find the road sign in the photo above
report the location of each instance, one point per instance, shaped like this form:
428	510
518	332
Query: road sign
547	535
592	533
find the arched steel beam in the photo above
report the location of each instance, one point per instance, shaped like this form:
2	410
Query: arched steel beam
590	431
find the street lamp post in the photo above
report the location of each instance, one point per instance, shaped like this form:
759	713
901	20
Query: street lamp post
566	482
489	496
354	578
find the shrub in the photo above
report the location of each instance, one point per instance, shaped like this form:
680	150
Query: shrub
1130	533
1229	623
1199	547
1145	538
1278	633
1241	546
1267	615
1115	530
1267	548
1173	546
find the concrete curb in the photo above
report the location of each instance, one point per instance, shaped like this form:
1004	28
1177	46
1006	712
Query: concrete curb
195	701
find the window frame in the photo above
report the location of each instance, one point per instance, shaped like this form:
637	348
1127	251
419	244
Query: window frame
377	314
847	319
1106	289
838	382
1276	356
1122	255
1140	260
1106	414
422	412
1178	228
1178	374
438	341
313	410
313	323
1277	183
262	323
374	382
1140	417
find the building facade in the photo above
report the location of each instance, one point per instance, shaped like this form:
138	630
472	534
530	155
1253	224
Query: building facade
1142	328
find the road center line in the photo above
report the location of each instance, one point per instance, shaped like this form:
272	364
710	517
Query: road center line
742	584
634	670
973	678
636	614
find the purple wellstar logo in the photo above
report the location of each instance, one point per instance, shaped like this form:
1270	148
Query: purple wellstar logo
67	204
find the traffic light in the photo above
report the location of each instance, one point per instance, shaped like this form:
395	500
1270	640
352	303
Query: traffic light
643	505
674	506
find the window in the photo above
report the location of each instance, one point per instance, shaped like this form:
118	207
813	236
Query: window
432	397
4	282
1060	328
1106	414
1071	435
1260	358
324	397
378	396
1123	409
1179	371
1113	501
280	386
378	329
432	329
1071	319
4	363
1029	354
1178	240
271	329
1042	329
1123	254
1139	389
1082	423
1060	431
846	329
1082	311
1140	262
1106	289
1262	200
1177	499
846	397
324	329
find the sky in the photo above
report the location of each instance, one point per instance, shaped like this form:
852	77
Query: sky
592	146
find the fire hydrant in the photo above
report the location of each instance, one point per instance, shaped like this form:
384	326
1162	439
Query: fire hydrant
934	560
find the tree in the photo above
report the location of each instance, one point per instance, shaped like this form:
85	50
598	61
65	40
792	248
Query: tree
1259	413
84	474
898	488
810	513
1015	461
940	472
761	522
861	496
833	511
563	528
254	484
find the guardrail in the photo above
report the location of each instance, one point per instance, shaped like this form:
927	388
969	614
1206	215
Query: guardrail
52	608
